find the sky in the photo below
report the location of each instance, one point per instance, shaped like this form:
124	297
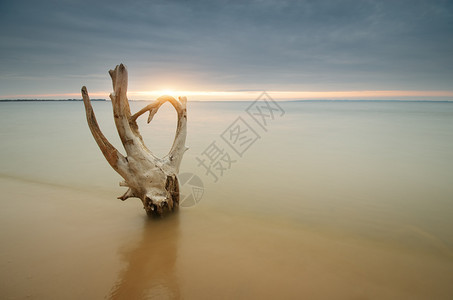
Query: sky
228	50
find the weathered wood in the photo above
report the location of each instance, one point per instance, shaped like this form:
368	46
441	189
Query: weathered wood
149	178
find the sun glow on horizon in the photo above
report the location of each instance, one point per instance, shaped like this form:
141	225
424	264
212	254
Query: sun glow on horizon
169	92
244	95
295	95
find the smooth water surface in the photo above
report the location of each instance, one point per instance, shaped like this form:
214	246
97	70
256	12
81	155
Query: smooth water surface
344	200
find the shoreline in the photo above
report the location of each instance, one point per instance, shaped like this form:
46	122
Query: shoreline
235	101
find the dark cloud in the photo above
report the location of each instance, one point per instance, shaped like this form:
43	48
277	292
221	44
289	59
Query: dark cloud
324	45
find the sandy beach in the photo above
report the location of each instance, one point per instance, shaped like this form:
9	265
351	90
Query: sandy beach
89	246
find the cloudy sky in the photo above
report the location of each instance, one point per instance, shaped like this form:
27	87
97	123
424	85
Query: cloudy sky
228	49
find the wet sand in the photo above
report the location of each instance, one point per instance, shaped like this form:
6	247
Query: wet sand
91	247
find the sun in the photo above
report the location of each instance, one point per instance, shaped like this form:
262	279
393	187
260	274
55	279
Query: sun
154	94
168	92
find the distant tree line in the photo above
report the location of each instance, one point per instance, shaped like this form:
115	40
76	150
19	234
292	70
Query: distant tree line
47	100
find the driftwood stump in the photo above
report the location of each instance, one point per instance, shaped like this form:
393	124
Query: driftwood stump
151	179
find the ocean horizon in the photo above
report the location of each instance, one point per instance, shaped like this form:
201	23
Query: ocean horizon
279	100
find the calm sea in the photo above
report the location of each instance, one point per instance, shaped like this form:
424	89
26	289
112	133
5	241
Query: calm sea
330	199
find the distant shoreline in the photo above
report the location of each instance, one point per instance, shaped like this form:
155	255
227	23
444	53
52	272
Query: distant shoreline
211	101
46	100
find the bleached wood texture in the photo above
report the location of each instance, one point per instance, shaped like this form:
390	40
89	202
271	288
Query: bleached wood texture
154	180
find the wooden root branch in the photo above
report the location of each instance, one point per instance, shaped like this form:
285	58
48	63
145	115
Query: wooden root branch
149	178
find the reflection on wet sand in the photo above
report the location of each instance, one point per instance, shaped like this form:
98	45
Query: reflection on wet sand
150	271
